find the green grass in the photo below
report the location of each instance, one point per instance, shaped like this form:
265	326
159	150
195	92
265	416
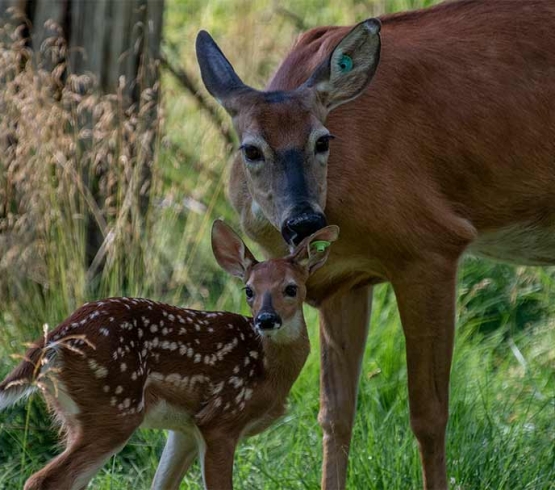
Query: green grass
501	431
502	427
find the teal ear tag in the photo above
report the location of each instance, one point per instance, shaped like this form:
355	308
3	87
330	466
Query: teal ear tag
346	63
320	245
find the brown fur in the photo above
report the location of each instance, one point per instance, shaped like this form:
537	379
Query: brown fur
450	148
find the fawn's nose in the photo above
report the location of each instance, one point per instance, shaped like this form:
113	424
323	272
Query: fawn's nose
267	320
298	227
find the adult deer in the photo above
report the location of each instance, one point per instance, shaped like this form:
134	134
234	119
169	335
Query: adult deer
444	143
209	377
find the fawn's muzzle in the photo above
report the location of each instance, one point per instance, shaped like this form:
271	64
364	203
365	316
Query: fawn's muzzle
267	320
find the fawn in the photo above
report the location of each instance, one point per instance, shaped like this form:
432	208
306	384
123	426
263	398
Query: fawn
209	377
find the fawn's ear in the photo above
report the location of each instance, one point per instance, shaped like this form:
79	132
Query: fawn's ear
230	251
313	251
348	70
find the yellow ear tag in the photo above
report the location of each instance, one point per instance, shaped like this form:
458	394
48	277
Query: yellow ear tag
320	245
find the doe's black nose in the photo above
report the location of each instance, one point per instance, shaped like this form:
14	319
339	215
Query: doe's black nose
267	320
295	229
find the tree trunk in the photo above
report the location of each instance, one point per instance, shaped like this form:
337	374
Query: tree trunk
118	41
108	38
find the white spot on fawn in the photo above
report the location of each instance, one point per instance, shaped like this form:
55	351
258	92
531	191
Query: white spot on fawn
173	378
218	388
99	371
236	382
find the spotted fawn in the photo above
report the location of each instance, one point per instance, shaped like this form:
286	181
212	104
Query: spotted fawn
210	378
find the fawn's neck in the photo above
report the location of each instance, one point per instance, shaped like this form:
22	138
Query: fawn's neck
285	359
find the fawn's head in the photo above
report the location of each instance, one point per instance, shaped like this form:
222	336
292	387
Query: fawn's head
275	289
284	143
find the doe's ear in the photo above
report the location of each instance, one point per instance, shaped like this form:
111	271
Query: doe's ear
230	251
314	250
350	67
216	71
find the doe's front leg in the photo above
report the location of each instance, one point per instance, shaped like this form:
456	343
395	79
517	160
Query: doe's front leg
344	322
426	299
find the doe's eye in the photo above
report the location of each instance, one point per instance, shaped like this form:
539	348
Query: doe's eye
252	153
249	293
291	291
323	144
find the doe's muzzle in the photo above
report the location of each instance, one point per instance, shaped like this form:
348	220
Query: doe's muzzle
299	226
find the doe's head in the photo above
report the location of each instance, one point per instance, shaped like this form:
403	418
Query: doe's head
275	289
284	142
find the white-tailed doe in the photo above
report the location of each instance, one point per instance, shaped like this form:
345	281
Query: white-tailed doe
211	378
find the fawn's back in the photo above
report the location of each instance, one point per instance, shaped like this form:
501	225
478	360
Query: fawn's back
133	353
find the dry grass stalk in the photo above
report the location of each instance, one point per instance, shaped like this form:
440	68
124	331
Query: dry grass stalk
67	155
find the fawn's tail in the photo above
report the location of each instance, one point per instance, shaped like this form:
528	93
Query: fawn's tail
19	383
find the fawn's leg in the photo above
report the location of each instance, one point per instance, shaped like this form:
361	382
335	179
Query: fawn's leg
89	448
179	453
217	461
343	330
426	298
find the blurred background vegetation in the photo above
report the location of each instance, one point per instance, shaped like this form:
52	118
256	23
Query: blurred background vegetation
74	152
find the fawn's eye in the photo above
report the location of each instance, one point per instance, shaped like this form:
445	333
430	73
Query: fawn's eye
252	153
291	291
323	144
249	293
